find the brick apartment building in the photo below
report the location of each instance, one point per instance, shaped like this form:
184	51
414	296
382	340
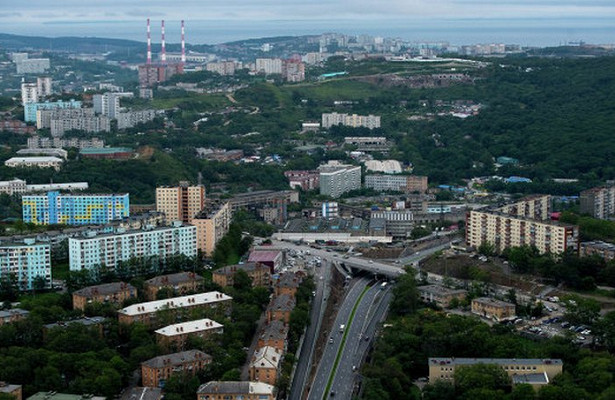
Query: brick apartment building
108	293
259	273
155	371
180	283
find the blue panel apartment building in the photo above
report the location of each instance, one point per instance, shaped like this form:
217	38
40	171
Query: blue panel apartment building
25	262
30	109
110	249
74	209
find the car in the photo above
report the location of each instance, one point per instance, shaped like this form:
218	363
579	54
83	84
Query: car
366	338
586	332
581	337
332	393
397	261
354	368
371	261
330	340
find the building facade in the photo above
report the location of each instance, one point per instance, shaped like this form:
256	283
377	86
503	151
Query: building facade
29	263
336	180
31	109
537	207
305	180
265	365
599	202
440	295
398	223
397	183
156	371
180	203
259	274
74	209
353	120
38	162
112	249
180	283
175	337
497	310
108	293
236	390
212	223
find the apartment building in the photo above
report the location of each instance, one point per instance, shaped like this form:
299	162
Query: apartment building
353	120
37	142
497	310
180	203
261	198
38	162
11	390
156	371
440	295
397	183
236	390
269	66
12	315
504	231
280	308
180	283
108	293
60	121
274	335
368	143
31	109
398	223
337	179
287	284
536	207
597	248
111	249
259	273
599	202
29	262
145	313
224	68
212	223
29	93
265	364
305	180
32	65
130	119
74	209
176	336
293	71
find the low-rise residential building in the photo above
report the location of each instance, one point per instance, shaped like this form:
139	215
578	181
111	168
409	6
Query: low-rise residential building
397	183
145	313
597	248
114	293
280	308
497	310
271	258
287	284
180	283
212	223
265	365
444	368
111	249
236	390
156	371
106	153
12	315
259	273
38	162
368	143
599	202
29	262
12	390
504	231
95	323
336	179
63	396
305	180
274	334
176	336
440	295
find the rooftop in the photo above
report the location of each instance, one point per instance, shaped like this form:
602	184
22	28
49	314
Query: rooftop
289	279
210	209
231	269
177	359
142	393
34	159
229	387
598	244
86	321
496	361
174	279
493	302
104	289
532	379
264	256
198	325
104	150
176	302
437	289
531	220
274	330
266	357
8	388
282	303
63	396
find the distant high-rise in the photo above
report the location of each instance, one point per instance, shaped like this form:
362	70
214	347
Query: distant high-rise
180	203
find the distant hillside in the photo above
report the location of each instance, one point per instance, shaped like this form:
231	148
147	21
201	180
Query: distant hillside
72	44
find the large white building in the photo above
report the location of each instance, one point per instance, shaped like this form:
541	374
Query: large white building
40	162
32	65
111	249
19	186
269	65
353	120
109	103
25	262
62	120
337	179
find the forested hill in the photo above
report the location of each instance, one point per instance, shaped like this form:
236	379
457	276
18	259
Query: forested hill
555	115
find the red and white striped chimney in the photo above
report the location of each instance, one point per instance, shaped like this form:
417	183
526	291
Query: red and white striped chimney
149	43
163	54
183	45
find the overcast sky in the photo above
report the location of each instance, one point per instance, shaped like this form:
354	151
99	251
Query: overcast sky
50	11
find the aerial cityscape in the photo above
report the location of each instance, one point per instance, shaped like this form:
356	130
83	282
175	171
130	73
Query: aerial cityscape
285	200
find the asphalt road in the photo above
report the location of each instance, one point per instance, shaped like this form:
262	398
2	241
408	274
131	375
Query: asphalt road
328	358
321	277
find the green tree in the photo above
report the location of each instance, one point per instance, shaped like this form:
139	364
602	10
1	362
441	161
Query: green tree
481	376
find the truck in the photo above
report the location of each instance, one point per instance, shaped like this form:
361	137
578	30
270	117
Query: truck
342	327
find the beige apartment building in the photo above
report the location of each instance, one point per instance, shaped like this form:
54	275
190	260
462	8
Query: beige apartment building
494	309
535	371
504	231
440	295
180	203
155	371
212	223
537	207
180	283
259	273
107	293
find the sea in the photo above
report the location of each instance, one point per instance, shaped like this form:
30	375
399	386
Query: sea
536	32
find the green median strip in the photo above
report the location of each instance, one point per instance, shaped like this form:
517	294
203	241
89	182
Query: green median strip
341	349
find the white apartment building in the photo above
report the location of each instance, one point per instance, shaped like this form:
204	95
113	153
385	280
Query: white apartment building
505	231
29	93
397	183
40	162
269	66
26	261
62	120
32	65
337	179
132	118
224	67
109	103
111	249
599	202
19	186
353	120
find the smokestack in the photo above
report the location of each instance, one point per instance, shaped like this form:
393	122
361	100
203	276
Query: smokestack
183	45
149	43
163	54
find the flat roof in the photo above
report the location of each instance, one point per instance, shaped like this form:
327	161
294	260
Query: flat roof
86	321
176	358
174	279
198	325
496	361
175	302
63	396
532	220
105	288
105	150
34	159
236	387
495	302
437	289
532	379
264	255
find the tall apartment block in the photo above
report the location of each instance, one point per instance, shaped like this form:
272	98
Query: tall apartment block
25	262
536	207
111	249
74	209
599	202
352	120
504	231
397	183
212	223
61	120
30	109
180	203
109	103
337	179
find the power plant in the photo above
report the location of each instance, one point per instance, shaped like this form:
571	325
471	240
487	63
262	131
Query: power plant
151	73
